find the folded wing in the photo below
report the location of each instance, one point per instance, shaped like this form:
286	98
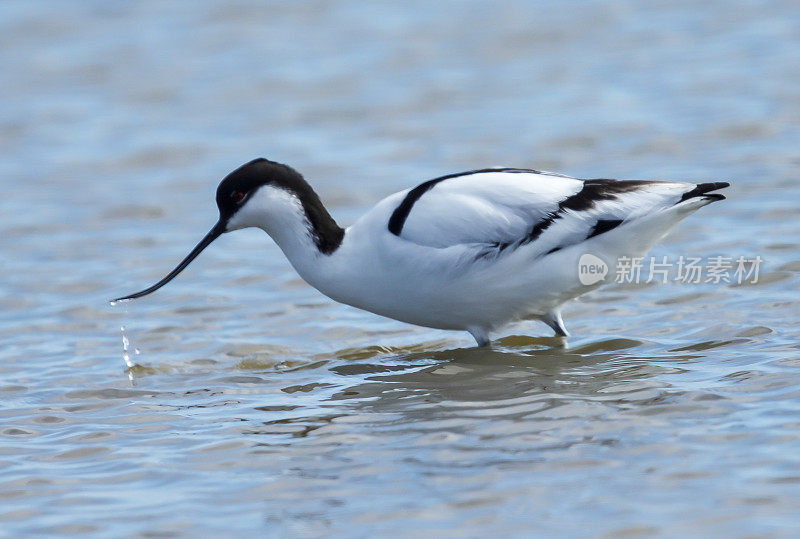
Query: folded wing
498	209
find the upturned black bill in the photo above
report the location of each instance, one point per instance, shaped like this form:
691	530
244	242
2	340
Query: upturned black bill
215	232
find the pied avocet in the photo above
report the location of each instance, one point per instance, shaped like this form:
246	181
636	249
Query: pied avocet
471	251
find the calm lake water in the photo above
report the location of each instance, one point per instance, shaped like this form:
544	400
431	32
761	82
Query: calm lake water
257	406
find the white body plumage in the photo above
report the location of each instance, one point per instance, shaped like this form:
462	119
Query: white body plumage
444	271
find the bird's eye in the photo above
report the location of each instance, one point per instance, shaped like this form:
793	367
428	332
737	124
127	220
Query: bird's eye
237	196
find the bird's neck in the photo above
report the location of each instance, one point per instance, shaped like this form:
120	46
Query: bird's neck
325	232
297	222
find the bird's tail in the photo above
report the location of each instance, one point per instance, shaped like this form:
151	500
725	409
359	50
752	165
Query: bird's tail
702	191
654	226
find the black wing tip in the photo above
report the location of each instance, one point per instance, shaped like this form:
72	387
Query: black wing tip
712	186
702	190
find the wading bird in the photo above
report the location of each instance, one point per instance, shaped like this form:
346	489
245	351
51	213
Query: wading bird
471	251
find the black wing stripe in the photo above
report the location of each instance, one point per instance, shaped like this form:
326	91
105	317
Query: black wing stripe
401	212
603	225
600	227
593	191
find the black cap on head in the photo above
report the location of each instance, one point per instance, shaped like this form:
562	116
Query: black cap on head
240	184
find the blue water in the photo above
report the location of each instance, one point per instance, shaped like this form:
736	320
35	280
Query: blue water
255	405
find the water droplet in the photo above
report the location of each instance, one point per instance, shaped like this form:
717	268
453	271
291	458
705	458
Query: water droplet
125	344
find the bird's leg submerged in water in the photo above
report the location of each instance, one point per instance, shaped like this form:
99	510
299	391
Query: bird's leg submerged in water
481	336
553	319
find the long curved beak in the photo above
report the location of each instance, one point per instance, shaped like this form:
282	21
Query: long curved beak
215	232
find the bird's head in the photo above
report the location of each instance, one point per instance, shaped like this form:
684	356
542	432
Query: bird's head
252	194
260	193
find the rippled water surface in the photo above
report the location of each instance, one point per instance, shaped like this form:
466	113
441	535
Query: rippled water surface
257	406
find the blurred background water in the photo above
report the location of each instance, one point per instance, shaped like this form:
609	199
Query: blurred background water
258	406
